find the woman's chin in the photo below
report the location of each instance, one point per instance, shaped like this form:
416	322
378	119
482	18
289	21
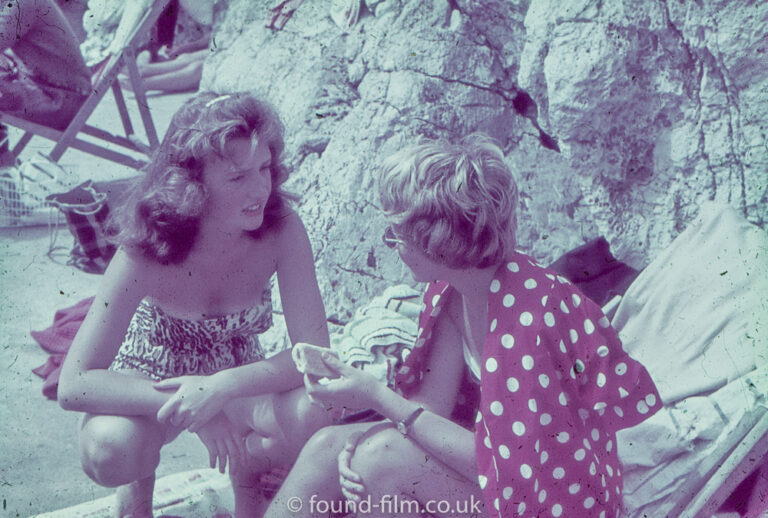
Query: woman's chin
253	223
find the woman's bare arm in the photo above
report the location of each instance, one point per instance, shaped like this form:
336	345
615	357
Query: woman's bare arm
85	384
304	318
302	307
433	431
439	387
300	295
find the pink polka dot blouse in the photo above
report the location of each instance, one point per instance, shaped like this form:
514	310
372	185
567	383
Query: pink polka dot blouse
556	385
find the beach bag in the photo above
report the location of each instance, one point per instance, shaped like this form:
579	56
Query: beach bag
24	188
86	211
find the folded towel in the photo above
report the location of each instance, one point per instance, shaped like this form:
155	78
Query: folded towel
374	340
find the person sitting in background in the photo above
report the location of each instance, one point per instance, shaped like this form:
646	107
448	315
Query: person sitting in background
177	65
43	77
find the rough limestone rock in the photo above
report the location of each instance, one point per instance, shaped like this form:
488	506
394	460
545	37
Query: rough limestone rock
618	117
657	106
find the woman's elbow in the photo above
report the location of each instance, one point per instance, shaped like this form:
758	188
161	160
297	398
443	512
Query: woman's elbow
69	393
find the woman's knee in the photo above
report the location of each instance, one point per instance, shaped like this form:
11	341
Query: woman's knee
115	450
327	442
380	459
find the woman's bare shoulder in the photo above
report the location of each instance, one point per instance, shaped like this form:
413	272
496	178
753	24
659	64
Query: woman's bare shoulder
290	221
289	229
131	265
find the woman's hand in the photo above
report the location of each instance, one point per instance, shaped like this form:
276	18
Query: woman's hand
351	388
223	444
351	483
196	400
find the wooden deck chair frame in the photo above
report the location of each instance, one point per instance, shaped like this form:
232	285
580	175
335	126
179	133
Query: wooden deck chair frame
732	470
68	138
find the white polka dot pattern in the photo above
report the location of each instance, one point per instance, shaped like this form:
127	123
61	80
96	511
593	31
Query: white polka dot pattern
556	385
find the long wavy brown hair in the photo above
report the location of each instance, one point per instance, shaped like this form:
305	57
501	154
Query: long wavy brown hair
161	215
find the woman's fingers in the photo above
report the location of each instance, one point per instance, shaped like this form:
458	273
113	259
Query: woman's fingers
231	455
233	452
186	418
352	497
311	387
212	453
350	476
344	461
351	482
351	487
194	425
222	456
336	365
168	409
168	384
176	420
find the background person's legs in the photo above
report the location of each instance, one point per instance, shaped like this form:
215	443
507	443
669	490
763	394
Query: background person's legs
177	75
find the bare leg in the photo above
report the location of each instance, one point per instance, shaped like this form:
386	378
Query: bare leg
124	451
174	65
249	500
279	425
134	500
401	478
181	80
314	473
180	74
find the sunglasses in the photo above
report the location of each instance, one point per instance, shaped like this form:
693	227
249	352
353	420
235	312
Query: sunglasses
390	238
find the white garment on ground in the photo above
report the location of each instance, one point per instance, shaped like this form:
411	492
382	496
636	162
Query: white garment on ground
696	318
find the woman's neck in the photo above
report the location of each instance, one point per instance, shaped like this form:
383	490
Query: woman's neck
212	234
472	283
213	242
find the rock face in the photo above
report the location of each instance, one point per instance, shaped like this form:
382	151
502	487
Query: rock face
618	117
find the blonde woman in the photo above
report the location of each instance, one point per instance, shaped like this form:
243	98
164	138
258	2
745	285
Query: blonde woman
555	382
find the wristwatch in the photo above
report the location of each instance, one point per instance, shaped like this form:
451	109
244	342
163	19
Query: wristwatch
404	426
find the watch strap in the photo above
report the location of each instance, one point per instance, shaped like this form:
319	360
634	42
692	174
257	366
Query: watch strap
404	426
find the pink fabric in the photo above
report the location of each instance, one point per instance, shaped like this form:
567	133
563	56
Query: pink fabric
556	386
56	340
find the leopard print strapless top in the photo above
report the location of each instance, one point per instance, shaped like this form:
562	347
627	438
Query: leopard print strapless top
162	346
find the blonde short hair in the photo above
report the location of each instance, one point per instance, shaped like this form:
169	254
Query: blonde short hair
457	202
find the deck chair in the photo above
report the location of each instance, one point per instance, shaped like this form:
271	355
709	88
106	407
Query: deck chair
735	467
105	78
